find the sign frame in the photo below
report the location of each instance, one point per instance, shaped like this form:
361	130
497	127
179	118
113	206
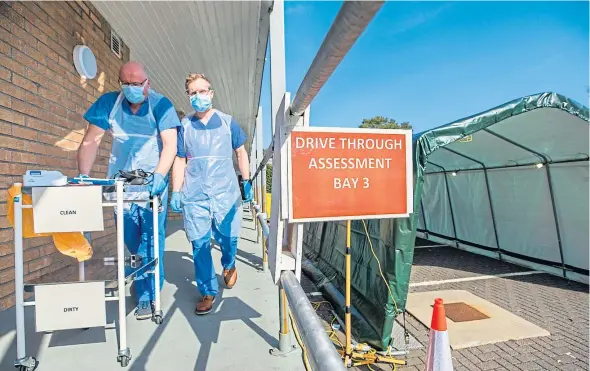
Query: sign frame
84	201
322	129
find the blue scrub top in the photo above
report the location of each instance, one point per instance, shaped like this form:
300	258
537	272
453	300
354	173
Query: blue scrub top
163	110
238	137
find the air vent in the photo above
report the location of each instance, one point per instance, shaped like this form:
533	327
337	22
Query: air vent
116	44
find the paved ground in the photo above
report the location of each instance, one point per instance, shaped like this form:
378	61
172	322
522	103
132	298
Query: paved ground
559	306
237	336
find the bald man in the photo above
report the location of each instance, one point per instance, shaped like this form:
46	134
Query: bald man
143	124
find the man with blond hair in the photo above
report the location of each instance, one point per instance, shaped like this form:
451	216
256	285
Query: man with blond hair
143	125
205	187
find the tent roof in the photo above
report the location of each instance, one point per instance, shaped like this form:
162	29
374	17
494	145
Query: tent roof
226	40
536	129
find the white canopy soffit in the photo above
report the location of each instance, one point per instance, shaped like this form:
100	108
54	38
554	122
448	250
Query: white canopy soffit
225	40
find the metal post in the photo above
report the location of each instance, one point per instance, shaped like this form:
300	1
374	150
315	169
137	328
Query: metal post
285	347
423	212
322	354
157	305
259	181
557	228
19	276
278	76
347	313
265	235
81	267
450	202
124	354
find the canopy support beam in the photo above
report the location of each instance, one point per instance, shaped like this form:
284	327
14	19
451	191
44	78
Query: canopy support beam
350	22
546	162
485	173
450	202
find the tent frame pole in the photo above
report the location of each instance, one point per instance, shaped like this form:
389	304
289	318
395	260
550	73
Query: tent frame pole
546	162
518	165
485	173
450	203
423	213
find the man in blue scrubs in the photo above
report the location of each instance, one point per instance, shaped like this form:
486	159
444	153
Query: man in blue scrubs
143	124
206	189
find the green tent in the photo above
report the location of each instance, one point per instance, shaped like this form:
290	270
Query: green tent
510	182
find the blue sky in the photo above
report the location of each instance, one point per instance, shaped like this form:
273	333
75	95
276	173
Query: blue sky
433	62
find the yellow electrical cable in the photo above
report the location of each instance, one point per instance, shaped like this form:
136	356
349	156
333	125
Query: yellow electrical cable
332	333
305	361
379	265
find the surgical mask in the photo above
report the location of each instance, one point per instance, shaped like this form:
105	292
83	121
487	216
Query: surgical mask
134	94
201	103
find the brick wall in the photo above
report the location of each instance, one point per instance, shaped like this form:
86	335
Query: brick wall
42	100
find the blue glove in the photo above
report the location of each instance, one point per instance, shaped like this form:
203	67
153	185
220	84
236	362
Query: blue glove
175	202
158	185
248	193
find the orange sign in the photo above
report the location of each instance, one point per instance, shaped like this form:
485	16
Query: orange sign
343	174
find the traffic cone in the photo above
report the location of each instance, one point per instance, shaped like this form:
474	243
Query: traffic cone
439	357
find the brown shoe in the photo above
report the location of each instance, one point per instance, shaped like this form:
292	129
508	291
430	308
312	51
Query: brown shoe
230	276
205	305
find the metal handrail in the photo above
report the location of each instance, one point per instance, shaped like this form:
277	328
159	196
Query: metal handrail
352	19
322	353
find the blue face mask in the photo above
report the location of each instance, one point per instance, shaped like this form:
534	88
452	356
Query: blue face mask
201	103
134	94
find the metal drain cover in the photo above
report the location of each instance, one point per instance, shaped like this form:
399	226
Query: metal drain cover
461	312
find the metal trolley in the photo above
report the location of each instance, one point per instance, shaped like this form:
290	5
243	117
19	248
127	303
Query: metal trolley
75	305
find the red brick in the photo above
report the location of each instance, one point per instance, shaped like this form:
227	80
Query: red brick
31	254
11	116
49	74
39	101
12	90
4	22
49	53
6	275
12	64
24	83
36	32
7	262
35	54
6	129
22	132
40	88
24	59
10	169
5	74
6	289
33	13
23	35
4	100
5	48
95	19
15	18
25	108
7	302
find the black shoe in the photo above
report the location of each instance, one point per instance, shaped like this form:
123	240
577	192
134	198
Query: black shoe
144	310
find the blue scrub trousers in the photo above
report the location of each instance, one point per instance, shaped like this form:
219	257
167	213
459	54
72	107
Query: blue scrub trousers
138	224
204	269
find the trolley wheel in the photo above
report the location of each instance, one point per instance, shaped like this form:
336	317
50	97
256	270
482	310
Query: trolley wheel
124	360
158	319
29	368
